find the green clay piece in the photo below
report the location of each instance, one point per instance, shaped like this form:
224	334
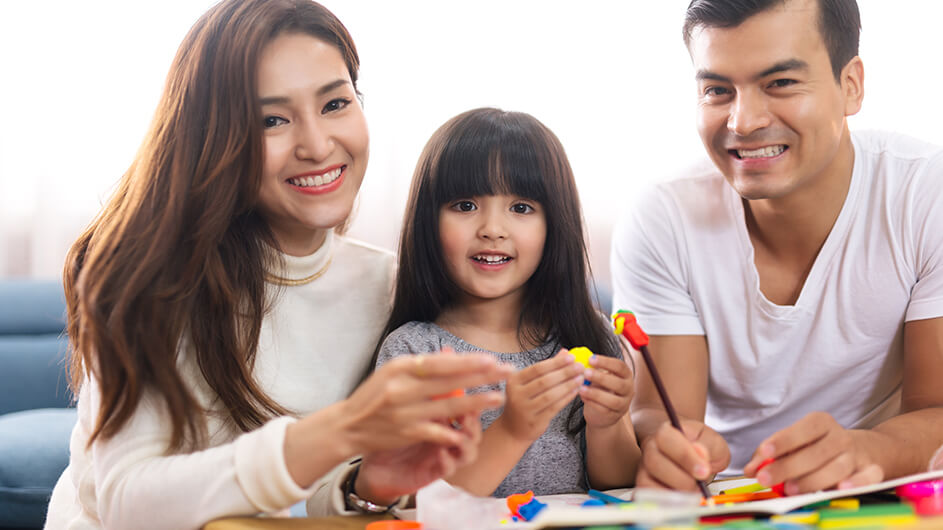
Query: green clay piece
870	510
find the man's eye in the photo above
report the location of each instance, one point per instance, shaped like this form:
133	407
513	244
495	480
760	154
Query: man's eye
273	121
335	105
779	83
522	208
716	91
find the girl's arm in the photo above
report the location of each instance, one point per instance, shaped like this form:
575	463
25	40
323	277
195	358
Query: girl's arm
534	396
612	455
612	451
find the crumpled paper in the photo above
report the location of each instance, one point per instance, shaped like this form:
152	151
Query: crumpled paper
441	506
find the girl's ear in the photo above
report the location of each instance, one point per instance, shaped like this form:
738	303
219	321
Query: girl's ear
852	85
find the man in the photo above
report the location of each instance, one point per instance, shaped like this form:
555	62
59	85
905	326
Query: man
794	289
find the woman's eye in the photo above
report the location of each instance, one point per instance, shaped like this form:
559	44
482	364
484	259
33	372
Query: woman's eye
522	208
273	121
335	105
464	206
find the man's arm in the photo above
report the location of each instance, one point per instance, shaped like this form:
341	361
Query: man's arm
816	453
670	459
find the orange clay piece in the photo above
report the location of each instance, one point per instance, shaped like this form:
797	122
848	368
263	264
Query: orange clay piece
458	392
516	500
742	497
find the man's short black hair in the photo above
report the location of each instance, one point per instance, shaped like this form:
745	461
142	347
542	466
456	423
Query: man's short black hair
839	22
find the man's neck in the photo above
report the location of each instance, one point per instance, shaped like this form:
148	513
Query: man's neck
796	225
788	232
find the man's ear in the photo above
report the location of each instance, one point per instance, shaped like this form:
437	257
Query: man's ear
852	85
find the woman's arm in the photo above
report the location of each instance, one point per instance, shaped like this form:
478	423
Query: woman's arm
269	469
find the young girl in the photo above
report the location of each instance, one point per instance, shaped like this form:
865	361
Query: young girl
219	324
492	259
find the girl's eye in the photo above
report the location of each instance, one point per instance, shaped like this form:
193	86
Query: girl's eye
522	208
273	121
464	206
335	105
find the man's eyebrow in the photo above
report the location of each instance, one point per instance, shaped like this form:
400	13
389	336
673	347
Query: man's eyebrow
782	66
325	89
703	75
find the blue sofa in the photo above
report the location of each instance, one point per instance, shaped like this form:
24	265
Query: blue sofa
35	416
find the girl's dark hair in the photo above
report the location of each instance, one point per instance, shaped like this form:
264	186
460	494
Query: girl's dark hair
179	252
839	23
486	152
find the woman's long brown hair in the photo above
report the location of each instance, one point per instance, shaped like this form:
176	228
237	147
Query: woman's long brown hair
179	252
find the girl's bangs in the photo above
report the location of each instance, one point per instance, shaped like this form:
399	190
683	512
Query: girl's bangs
497	161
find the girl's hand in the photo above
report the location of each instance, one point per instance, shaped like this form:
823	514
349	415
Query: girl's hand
537	393
607	399
395	408
386	475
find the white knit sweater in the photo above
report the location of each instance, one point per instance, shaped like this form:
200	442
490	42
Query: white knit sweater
315	347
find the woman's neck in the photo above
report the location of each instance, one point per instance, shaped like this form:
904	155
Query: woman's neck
493	324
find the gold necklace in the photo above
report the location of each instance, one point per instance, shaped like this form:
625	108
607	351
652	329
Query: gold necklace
288	282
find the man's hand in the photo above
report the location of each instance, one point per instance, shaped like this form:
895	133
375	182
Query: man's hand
676	461
814	454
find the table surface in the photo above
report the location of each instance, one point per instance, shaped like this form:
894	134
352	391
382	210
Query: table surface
337	522
360	522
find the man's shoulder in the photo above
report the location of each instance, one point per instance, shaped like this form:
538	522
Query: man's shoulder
691	182
695	192
896	146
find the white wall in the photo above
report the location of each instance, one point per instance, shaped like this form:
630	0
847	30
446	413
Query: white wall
80	81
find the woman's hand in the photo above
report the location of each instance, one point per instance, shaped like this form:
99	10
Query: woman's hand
606	400
394	409
537	393
386	475
395	406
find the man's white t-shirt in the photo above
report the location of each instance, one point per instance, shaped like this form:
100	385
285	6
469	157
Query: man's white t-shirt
682	260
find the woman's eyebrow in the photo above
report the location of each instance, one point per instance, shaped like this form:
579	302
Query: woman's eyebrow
281	100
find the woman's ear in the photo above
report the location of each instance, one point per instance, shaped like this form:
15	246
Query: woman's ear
852	85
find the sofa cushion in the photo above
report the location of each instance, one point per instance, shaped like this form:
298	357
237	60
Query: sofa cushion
33	374
31	307
34	451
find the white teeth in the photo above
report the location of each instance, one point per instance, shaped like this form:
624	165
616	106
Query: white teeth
492	259
318	180
762	152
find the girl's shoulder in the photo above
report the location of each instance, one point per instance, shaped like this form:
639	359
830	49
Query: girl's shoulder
413	338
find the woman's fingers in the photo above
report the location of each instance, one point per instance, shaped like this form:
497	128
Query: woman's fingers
432	366
421	377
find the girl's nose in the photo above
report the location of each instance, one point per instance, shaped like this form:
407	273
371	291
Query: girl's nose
492	227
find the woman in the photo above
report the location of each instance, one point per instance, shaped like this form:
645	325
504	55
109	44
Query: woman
211	302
